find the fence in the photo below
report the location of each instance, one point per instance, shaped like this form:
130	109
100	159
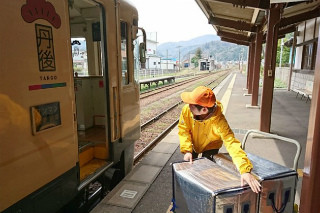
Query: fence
151	73
282	73
299	77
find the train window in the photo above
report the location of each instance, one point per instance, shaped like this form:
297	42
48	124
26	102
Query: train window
79	56
124	53
136	59
308	59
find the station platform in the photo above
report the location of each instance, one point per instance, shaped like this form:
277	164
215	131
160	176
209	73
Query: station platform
149	81
148	188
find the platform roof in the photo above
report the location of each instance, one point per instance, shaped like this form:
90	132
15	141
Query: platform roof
236	21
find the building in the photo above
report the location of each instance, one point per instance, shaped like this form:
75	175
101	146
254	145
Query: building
186	63
153	61
168	64
305	46
206	64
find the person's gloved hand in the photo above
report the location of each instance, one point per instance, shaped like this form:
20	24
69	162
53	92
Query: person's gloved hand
188	157
251	181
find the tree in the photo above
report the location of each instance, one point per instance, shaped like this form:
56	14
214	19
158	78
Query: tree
195	61
198	53
196	58
285	51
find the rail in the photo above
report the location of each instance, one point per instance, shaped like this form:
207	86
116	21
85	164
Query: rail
157	90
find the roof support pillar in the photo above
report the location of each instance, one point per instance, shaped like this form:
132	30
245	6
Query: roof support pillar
248	67
256	69
269	67
251	66
310	193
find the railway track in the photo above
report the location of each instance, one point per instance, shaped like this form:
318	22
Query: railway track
158	90
155	104
156	128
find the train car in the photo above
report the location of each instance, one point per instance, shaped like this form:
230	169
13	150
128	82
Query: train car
69	101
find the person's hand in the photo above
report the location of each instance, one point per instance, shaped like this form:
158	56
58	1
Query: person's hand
251	181
188	157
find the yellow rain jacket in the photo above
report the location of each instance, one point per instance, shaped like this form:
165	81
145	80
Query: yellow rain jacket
203	135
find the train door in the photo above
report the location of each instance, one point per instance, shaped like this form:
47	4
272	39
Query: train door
129	86
106	83
91	88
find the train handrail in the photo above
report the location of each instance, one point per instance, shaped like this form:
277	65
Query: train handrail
289	140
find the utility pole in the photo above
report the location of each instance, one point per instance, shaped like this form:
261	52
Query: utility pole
242	53
179	58
167	62
216	60
280	63
194	66
239	62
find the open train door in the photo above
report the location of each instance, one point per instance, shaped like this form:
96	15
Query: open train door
127	95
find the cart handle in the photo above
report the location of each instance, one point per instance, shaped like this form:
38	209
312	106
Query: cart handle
296	158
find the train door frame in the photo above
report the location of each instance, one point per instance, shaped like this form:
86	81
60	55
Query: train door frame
103	53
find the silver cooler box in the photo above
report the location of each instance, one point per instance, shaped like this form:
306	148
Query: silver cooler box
214	187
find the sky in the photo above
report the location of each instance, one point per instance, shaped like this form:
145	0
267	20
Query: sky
173	20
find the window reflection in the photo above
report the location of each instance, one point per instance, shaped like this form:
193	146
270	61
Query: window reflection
136	59
124	53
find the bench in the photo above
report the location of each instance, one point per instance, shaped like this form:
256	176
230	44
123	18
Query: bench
305	92
148	82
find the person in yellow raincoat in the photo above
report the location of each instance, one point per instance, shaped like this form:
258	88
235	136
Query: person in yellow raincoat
203	129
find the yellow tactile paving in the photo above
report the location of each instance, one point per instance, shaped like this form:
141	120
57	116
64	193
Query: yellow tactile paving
226	97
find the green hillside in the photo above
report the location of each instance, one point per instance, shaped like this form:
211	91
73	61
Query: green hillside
210	45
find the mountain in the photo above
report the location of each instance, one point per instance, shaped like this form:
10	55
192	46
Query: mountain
195	41
185	46
224	51
209	45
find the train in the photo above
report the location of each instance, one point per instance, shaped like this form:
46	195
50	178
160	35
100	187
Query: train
69	101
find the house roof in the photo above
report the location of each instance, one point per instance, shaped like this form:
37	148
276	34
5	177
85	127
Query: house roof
237	21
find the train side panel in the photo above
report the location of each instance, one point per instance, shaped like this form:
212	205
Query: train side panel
38	140
44	163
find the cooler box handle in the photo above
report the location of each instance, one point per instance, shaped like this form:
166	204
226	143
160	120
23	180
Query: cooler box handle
289	140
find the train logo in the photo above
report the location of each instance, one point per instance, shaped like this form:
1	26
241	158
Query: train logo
41	9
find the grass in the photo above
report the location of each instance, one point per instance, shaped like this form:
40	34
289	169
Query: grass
277	83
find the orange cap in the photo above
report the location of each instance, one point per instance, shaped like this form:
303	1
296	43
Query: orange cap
201	95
